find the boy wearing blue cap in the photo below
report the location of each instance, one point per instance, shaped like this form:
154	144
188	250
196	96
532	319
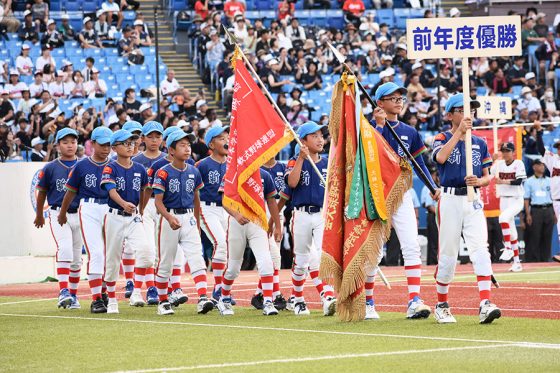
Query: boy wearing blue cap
135	128
390	99
125	181
67	237
307	219
213	217
176	187
84	183
457	216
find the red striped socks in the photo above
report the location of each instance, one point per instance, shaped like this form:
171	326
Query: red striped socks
267	286
63	274
218	269
442	290
139	277
150	277
176	278
484	283
111	286
413	274
226	287
95	283
368	287
515	248
74	281
298	280
276	284
199	278
128	265
161	285
506	234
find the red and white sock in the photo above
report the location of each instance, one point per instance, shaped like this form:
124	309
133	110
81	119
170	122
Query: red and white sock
506	234
74	281
298	280
128	266
176	278
258	290
368	287
199	278
139	277
267	286
150	277
218	269
413	275
103	286
276	287
226	287
442	290
111	288
484	284
161	285
63	274
95	283
323	289
515	248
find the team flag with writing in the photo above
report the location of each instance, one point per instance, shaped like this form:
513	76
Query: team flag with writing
365	185
257	134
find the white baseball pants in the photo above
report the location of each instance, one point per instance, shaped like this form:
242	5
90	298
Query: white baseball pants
509	208
405	225
556	206
307	232
68	239
213	221
91	217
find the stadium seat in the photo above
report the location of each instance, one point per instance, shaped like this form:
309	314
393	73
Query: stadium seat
386	16
72	6
401	15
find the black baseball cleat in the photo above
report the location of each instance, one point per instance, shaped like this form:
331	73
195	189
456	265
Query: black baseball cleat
105	299
98	306
280	302
257	301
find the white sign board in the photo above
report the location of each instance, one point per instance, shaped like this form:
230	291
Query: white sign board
494	107
463	37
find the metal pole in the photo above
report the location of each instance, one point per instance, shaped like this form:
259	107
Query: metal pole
157	58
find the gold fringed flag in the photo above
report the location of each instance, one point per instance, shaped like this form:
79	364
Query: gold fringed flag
257	134
366	183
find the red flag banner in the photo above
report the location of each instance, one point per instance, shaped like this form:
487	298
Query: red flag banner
352	246
257	134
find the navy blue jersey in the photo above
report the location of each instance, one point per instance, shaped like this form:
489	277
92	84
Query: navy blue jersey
269	189
127	181
53	178
278	173
453	172
178	186
212	174
310	190
85	179
159	164
147	162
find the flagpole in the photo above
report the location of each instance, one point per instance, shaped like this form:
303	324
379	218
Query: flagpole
232	41
513	125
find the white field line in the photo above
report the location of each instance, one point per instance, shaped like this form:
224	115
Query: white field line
537	345
312	358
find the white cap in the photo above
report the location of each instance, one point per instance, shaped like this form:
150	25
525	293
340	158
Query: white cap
200	103
14	72
182	123
530	75
213	32
51	22
37	141
273	61
204	25
47	108
386	57
81	112
55	113
294	103
416	65
387	73
99	13
454	12
145	106
25	46
65	16
86	20
26	13
66	62
381	39
401	46
138	22
526	90
59	73
94	70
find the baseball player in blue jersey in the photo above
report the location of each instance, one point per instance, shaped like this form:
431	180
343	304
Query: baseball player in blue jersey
84	183
307	220
213	218
125	181
390	99
135	128
456	216
176	187
67	237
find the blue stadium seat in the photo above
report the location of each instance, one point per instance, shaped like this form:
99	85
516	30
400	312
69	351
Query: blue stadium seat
386	16
90	6
72	6
110	52
401	14
93	52
262	5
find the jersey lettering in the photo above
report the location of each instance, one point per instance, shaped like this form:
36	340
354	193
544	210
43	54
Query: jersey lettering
136	184
507	175
214	177
60	183
305	177
189	185
476	158
91	180
121	183
174	186
455	157
555	172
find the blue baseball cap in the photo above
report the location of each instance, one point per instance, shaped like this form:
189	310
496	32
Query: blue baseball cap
214	132
457	101
308	128
121	135
178	135
65	132
101	135
388	88
132	126
170	130
152	126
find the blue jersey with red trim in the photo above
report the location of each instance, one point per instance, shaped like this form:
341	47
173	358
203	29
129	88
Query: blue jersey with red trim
269	189
178	186
128	182
212	173
159	164
52	181
146	161
310	190
85	179
453	172
278	173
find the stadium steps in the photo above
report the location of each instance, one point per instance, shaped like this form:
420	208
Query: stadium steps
165	31
459	4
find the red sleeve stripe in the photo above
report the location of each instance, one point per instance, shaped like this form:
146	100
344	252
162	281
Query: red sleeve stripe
285	196
71	189
419	151
159	187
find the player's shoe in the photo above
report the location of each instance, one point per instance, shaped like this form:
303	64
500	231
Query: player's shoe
98	306
225	307
489	312
64	298
269	309
300	308
443	315
417	309
329	306
152	296
507	255
177	297
136	299
516	267
232	300
291	303
204	305
128	289
556	258
258	301
75	305
105	299
164	308
280	303
113	307
371	313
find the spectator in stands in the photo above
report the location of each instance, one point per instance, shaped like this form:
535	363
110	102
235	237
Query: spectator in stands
529	101
549	104
140	17
286	9
38	154
130	4
146	113
384	48
454	13
528	35
312	79
211	120
282	103
250	42
240	30
51	36
86	71
66	29
88	37
531	81
114	13
544	52
295	32
233	8
263	43
6	108
7	18
295	115
187	103
516	73
24	132
449	81
498	85
96	87
45	58
102	27
214	50
373	63
15	87
40	11
56	88
24	64
201	8
541	28
38	86
130	104
28	29
385	76
201	108
144	39
129	46
25	103
76	85
353	11
170	86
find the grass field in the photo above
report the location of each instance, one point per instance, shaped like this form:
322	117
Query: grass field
35	336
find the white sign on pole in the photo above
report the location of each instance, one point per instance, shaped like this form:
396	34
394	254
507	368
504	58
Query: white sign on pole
463	37
494	107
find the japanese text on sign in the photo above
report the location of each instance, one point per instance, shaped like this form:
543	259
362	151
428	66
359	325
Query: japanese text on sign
494	107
